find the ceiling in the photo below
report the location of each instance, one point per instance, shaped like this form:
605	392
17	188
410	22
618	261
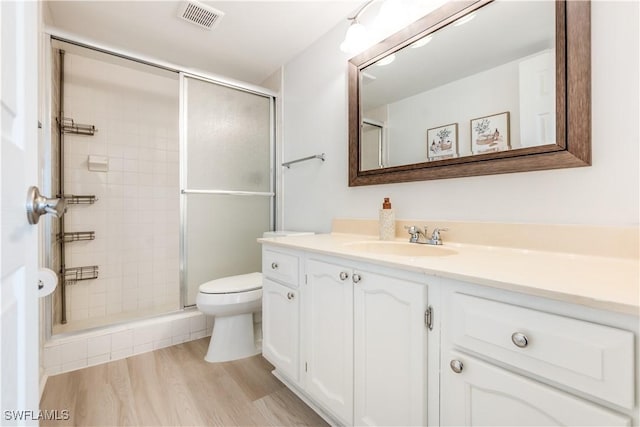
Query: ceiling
251	41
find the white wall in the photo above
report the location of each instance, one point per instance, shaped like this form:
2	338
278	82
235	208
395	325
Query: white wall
482	94
315	121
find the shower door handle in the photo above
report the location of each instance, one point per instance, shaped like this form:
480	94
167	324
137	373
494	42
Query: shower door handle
38	205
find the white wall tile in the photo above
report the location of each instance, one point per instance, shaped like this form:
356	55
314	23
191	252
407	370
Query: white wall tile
121	354
198	334
142	348
73	351
132	131
143	335
122	340
197	323
180	327
98	360
99	345
162	343
72	366
52	356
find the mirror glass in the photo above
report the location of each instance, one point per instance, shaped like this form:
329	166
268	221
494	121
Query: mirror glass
484	83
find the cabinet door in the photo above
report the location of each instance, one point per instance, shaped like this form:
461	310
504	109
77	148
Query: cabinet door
484	395
390	351
280	326
328	337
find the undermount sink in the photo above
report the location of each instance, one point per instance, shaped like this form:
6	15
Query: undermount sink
399	248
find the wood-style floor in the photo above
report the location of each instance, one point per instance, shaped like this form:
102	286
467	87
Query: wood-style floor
174	386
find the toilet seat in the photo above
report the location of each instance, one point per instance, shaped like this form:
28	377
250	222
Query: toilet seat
233	284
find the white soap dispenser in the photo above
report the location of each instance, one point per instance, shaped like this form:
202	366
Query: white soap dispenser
387	221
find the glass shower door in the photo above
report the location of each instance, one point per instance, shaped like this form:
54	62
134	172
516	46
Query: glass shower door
227	181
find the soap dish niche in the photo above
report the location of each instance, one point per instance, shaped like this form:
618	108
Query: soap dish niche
98	163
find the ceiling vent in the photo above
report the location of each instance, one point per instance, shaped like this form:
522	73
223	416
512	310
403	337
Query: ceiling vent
200	14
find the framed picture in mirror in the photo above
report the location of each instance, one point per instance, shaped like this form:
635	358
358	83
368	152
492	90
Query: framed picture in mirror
490	134
442	142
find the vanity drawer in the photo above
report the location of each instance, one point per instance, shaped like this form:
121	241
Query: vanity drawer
592	358
280	266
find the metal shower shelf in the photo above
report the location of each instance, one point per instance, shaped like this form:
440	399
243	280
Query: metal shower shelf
73	199
77	236
69	126
75	274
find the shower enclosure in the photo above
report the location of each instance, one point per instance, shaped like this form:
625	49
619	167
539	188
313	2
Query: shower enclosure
169	181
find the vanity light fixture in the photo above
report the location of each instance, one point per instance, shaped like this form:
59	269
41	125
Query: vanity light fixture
357	37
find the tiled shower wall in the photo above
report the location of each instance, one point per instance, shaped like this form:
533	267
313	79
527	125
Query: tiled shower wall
136	217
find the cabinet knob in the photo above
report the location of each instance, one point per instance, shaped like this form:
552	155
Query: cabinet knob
356	278
456	366
290	295
519	339
274	265
344	275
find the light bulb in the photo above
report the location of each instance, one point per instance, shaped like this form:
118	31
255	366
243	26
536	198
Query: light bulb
464	20
356	39
423	41
386	60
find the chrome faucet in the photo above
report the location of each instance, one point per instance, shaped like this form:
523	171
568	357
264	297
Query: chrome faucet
416	232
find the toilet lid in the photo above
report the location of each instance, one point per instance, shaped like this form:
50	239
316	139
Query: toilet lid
233	284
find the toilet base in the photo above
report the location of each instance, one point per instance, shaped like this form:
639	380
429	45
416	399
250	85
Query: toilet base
232	338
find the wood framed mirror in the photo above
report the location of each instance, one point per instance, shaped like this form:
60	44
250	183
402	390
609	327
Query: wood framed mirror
508	91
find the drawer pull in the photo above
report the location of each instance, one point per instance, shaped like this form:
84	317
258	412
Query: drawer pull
519	339
290	295
456	366
274	265
344	275
356	278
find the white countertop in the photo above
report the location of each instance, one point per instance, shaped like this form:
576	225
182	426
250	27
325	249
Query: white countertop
600	282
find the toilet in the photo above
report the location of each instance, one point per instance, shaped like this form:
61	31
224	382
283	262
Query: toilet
232	301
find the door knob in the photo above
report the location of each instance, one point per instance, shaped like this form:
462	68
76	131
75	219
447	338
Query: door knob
344	275
520	339
456	366
38	205
356	278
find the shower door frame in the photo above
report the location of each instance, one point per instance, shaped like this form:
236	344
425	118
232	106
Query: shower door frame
185	191
52	33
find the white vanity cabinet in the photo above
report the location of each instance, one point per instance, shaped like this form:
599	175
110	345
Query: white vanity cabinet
390	337
504	364
328	337
364	340
476	393
281	312
352	338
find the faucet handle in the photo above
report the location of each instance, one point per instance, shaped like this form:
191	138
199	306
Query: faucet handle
411	229
436	233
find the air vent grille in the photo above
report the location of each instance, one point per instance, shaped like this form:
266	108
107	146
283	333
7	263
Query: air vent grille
199	14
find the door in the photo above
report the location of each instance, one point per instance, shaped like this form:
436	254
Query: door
390	337
481	394
227	180
280	325
328	337
538	100
19	248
